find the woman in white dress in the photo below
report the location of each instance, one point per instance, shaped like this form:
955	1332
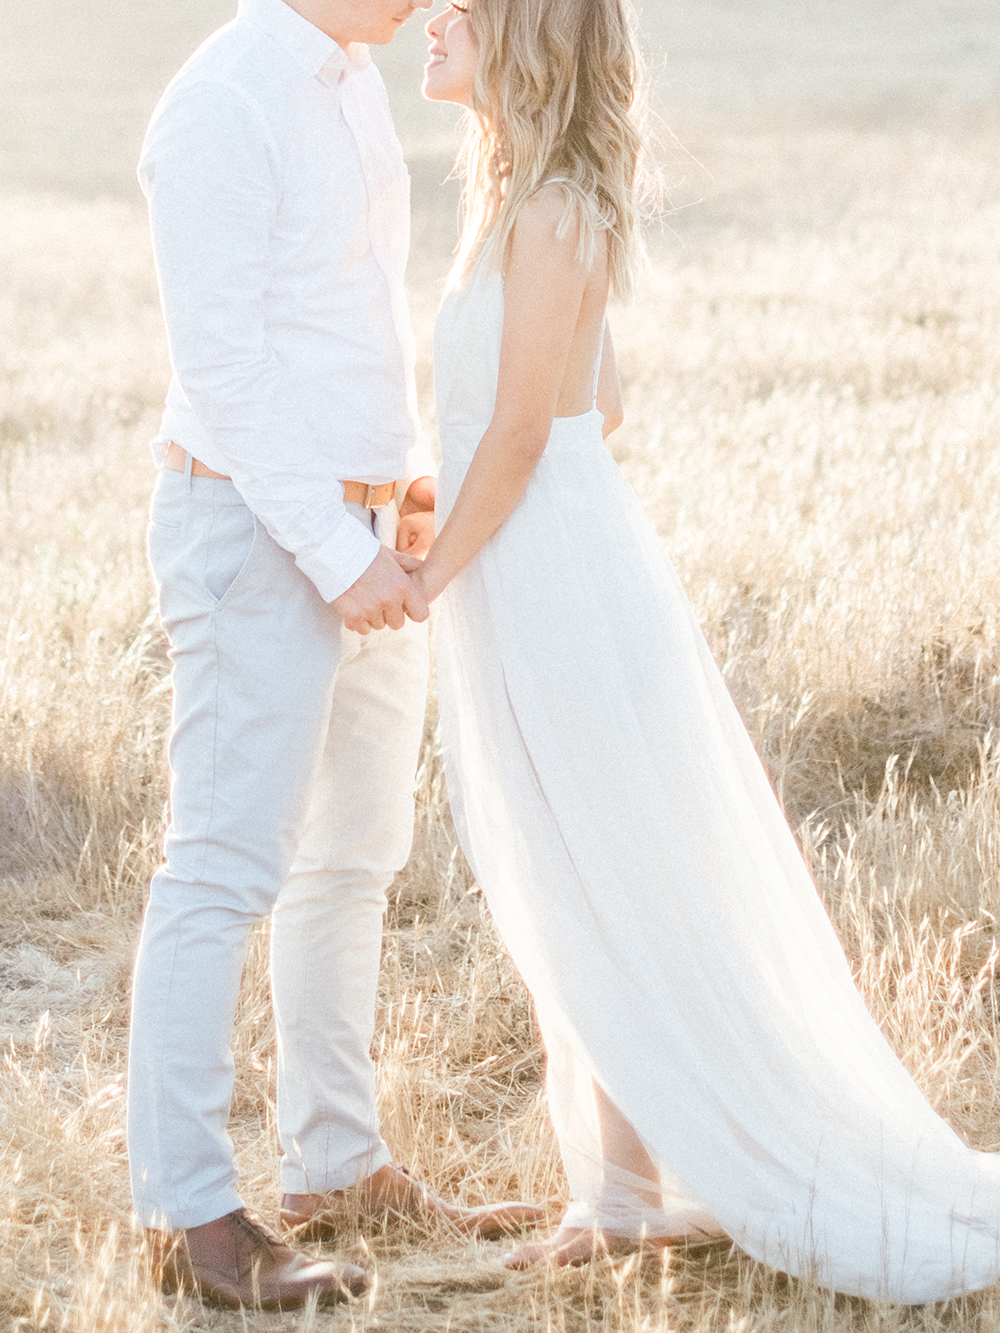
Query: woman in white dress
712	1070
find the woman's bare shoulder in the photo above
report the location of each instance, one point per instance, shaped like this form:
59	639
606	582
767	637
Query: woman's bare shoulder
552	218
542	213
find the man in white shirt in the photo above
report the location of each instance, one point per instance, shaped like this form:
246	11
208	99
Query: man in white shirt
293	495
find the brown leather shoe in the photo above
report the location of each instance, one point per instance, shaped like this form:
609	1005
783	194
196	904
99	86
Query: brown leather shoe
390	1195
238	1261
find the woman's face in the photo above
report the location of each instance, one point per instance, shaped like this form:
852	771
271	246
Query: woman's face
450	72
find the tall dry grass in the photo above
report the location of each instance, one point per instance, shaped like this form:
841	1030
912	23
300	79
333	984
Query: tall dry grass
811	375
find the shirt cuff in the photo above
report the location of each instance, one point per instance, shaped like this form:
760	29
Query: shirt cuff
341	559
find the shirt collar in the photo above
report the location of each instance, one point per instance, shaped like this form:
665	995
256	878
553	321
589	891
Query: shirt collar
318	54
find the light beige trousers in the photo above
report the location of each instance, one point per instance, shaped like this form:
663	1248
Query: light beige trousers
293	751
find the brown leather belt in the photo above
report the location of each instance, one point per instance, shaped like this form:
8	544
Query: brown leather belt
372	497
176	461
355	492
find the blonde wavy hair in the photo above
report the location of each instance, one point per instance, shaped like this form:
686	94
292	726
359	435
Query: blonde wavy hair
559	92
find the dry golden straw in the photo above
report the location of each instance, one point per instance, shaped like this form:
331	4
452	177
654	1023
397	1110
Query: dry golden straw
812	373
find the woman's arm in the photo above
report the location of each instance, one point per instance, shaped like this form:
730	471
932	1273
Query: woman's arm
544	285
609	389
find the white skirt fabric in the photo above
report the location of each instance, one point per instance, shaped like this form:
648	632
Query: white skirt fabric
650	892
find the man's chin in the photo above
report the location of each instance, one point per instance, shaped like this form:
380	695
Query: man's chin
386	34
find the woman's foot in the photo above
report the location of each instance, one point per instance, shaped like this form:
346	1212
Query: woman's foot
572	1247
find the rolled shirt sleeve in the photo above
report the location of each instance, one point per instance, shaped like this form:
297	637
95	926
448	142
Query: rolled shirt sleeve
212	172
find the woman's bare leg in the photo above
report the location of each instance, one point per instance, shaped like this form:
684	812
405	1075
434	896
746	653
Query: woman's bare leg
621	1147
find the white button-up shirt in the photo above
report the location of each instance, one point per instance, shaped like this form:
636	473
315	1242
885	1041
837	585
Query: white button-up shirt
279	205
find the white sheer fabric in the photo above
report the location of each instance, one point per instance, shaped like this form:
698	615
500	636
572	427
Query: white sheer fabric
649	890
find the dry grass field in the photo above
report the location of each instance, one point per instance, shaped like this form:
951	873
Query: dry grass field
812	376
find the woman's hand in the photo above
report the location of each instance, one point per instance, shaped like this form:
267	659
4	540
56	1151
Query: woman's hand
415	533
428	584
416	518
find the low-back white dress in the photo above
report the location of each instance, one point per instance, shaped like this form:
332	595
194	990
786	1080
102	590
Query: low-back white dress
642	875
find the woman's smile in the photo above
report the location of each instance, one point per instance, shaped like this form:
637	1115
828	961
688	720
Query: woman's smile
452	42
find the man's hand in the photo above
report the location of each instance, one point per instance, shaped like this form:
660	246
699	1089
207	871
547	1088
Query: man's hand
383	595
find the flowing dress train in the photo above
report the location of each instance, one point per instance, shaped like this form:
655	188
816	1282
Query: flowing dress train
641	873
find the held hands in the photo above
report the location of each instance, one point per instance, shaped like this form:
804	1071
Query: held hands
416	536
428	582
383	596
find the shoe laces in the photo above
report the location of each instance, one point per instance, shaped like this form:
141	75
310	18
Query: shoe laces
257	1229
